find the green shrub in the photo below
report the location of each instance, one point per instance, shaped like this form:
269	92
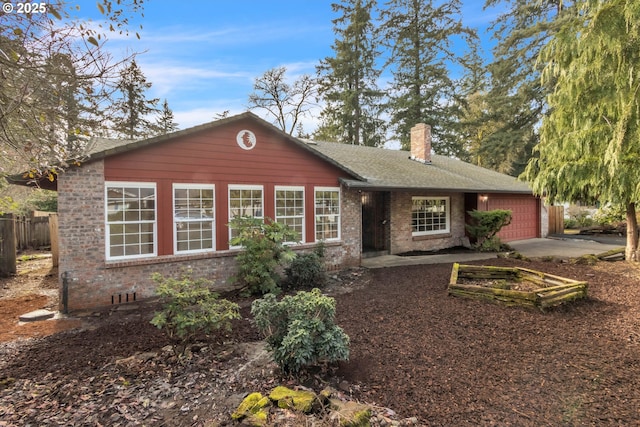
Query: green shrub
307	271
190	309
484	227
570	224
492	244
300	329
584	220
610	215
264	252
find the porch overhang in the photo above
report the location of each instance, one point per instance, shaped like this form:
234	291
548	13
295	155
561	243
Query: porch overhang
372	186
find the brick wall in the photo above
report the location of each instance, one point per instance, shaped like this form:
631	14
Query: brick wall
350	251
400	228
92	282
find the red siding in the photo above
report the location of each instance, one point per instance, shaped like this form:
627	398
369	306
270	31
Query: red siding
213	157
525	210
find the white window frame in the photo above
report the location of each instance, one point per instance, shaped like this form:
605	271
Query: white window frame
243	187
302	216
108	223
177	221
316	215
447	213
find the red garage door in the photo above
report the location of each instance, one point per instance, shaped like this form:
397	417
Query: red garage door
525	216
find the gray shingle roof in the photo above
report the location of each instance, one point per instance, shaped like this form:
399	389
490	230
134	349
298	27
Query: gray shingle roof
367	167
98	145
393	169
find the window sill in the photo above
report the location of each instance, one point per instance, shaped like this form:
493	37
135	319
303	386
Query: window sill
170	258
431	236
198	256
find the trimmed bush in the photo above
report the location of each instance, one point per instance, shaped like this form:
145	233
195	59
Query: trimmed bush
306	271
484	227
300	329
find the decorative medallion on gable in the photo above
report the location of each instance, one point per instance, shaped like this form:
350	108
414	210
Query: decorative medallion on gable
246	139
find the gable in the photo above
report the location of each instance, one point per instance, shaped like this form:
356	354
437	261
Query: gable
225	153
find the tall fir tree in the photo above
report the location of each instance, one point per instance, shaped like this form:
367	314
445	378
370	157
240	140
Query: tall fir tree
165	123
420	37
589	148
474	124
516	99
133	108
72	103
348	80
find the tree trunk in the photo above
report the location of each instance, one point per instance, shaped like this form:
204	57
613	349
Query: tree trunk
631	251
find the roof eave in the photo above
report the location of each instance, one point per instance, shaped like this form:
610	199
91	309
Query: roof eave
358	185
42	182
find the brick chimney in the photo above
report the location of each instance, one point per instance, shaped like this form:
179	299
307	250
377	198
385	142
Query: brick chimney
421	143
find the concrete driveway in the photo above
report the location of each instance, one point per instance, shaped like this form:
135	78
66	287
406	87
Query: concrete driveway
565	247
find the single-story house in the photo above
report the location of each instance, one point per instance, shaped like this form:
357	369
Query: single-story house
164	204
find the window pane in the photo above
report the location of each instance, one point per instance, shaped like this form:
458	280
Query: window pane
327	206
429	215
196	205
116	251
130	220
290	210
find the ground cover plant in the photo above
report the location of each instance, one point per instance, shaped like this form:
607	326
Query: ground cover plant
414	349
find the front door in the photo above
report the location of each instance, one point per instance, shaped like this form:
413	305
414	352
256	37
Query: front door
375	221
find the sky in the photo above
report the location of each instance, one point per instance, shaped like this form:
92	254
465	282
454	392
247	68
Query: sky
203	56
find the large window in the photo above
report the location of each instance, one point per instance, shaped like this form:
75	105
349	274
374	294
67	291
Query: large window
327	215
131	220
290	209
193	218
245	200
429	215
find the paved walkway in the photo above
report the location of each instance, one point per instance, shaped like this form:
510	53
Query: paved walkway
532	248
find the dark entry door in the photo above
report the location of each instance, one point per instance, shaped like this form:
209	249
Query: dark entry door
375	223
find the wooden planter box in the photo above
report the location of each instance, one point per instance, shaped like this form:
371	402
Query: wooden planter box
514	286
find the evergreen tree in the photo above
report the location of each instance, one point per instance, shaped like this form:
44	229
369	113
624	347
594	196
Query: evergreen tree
420	37
516	100
165	123
474	124
348	79
132	110
589	147
72	104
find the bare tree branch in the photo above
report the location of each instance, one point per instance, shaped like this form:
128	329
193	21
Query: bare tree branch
287	103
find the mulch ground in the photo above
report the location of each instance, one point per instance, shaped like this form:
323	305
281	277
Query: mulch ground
446	361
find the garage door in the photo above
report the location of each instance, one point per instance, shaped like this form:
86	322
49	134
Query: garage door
525	216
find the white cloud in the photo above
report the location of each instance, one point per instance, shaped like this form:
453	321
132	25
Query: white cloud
168	79
201	115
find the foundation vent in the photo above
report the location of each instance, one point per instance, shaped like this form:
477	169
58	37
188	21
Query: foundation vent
123	298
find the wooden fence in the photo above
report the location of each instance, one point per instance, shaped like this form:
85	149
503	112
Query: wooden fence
7	245
32	232
38	231
556	219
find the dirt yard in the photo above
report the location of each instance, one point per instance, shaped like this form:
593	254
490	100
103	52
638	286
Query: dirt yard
445	361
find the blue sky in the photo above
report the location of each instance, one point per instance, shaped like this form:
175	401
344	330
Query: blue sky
203	56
